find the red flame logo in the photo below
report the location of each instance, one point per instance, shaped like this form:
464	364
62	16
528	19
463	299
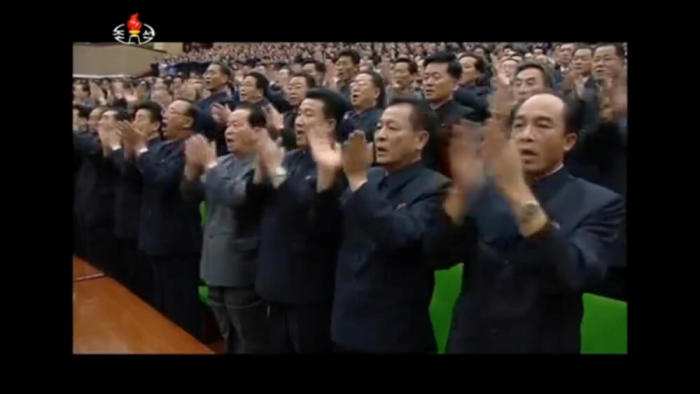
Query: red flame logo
134	23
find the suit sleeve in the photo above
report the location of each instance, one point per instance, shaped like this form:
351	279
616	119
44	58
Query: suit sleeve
87	145
448	244
192	190
165	174
570	264
221	186
395	228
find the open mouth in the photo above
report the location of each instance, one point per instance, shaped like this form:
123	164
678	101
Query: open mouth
381	150
528	153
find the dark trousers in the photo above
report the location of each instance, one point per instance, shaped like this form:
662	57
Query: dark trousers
300	328
100	249
138	271
242	318
175	290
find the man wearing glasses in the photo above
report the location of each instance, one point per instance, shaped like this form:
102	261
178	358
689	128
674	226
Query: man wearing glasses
170	234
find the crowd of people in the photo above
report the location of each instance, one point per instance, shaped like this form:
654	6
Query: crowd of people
338	177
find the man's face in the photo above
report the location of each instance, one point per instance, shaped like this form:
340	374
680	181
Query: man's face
78	122
469	71
606	64
480	52
438	85
177	83
402	75
197	83
214	78
310	69
249	91
508	68
539	134
95	116
143	123
363	93
141	92
310	114
283	77
296	91
241	138
79	93
345	69
396	143
538	51
176	120
566	52
526	83
582	62
107	122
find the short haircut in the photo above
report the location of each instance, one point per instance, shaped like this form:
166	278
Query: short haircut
224	68
84	86
619	49
320	67
83	111
453	66
352	54
378	83
333	103
422	117
310	81
121	113
572	112
546	75
261	81
256	116
280	65
582	46
191	111
480	64
509	58
250	63
412	66
153	108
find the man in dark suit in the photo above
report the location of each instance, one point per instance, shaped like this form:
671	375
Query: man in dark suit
127	207
216	80
367	99
297	251
383	281
442	74
94	191
170	232
231	233
533	238
299	84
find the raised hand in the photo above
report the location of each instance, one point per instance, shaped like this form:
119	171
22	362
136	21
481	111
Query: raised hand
134	139
357	157
466	163
220	113
327	154
501	157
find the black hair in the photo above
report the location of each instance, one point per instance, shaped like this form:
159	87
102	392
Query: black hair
121	113
310	81
333	103
256	115
572	111
281	65
619	49
378	83
453	66
422	117
261	81
546	74
582	46
155	110
223	67
412	66
319	66
84	86
480	64
83	111
352	54
250	63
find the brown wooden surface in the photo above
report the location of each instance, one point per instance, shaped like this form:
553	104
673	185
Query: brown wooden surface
83	271
107	318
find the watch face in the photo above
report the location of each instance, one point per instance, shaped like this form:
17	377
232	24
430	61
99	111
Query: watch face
528	211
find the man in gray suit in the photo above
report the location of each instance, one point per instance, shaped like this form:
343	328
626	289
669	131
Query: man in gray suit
231	232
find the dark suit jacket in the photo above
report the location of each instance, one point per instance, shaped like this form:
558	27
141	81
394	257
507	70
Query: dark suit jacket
524	295
128	191
435	152
231	233
297	252
170	226
207	126
383	282
93	204
366	121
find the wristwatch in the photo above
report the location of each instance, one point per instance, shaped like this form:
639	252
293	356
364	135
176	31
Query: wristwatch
279	172
528	210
